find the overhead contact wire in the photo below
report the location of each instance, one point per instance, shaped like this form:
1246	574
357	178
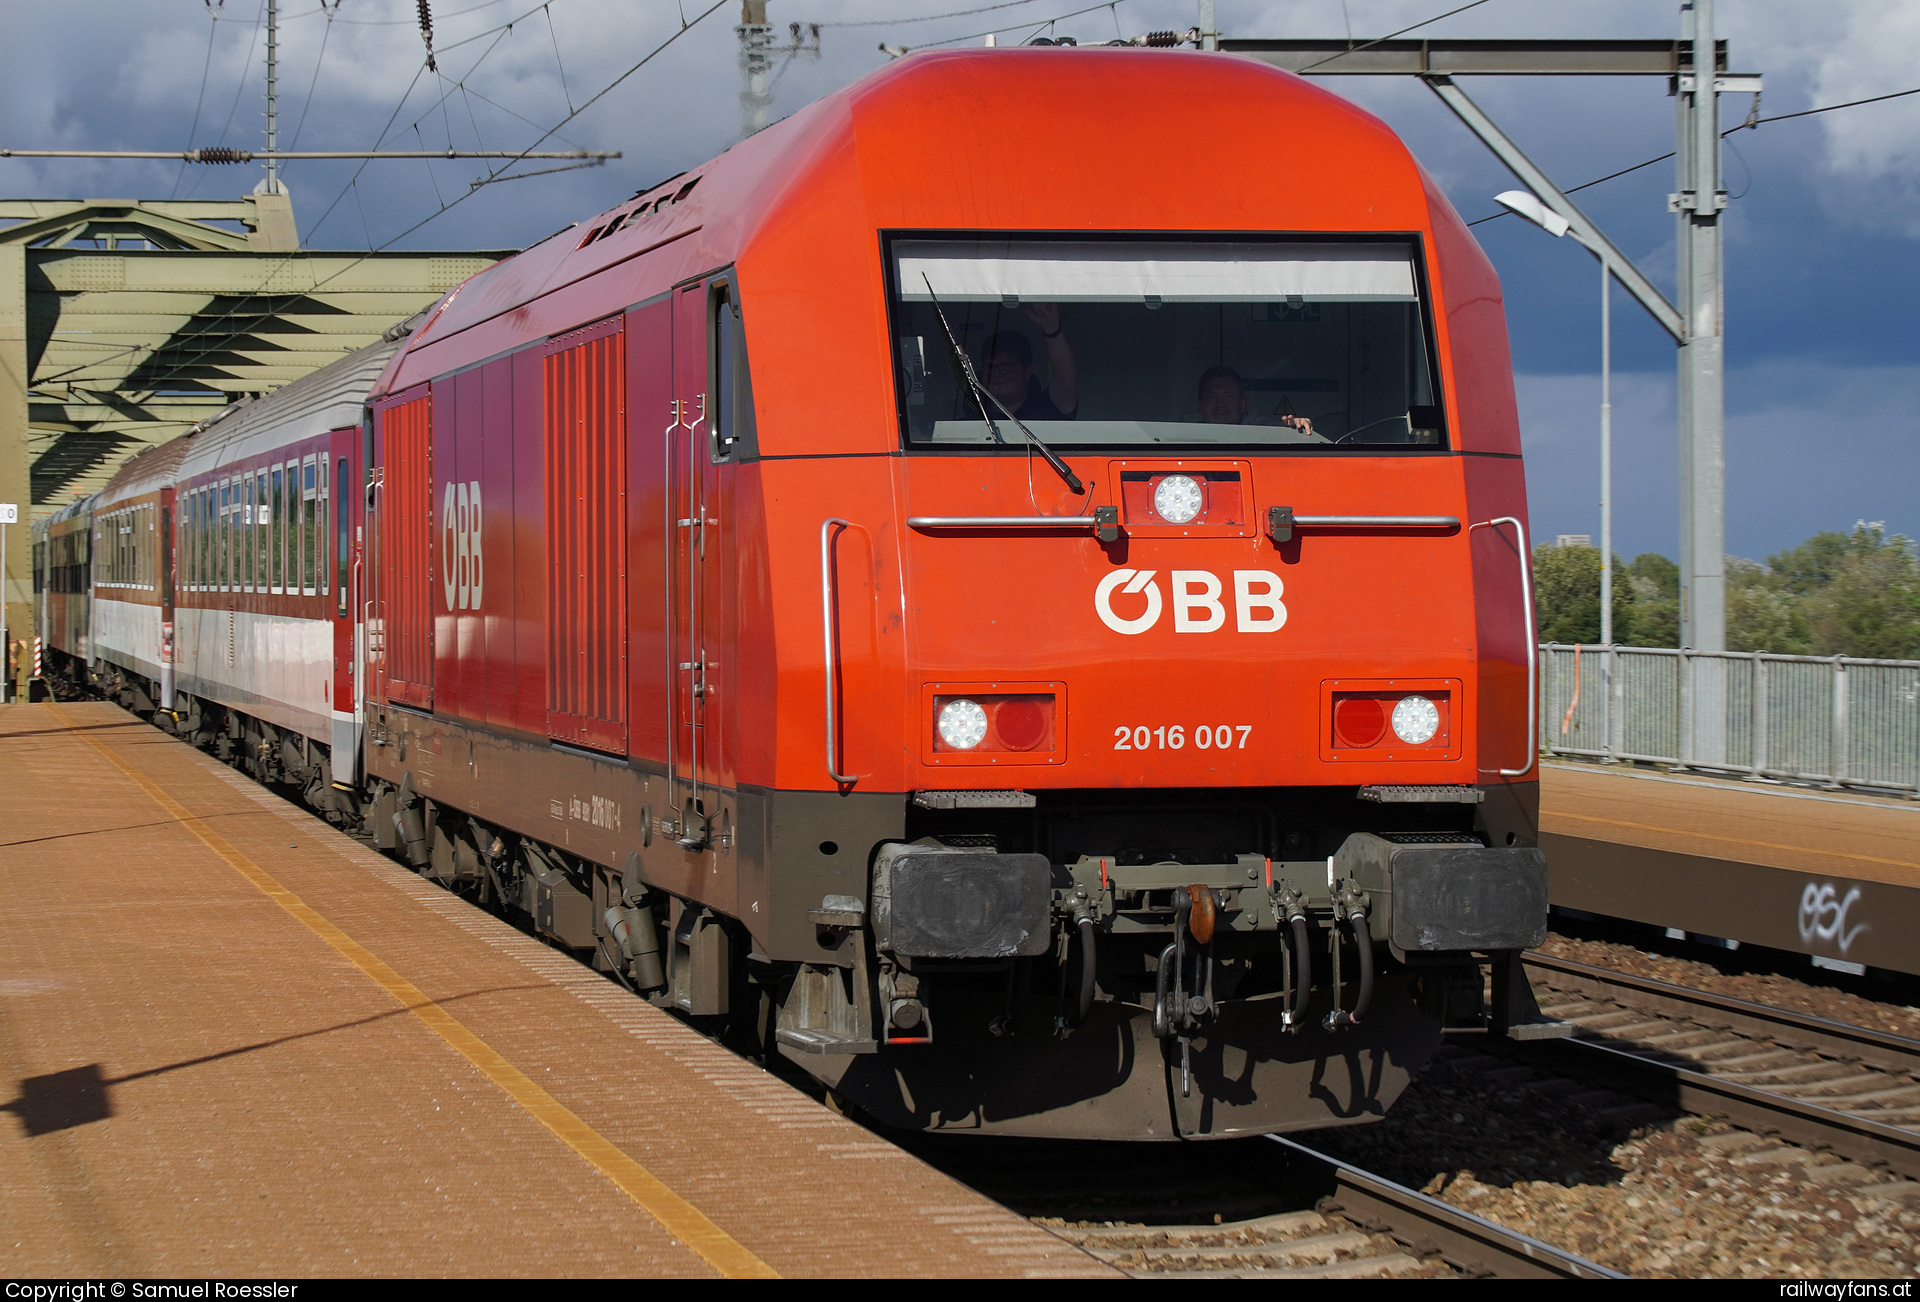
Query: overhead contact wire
495	174
1744	126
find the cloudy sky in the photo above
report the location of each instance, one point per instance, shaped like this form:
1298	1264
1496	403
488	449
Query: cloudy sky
1823	238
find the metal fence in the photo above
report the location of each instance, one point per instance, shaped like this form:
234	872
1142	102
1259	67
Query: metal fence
1825	719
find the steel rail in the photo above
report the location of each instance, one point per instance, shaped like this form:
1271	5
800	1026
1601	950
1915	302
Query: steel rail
1881	1049
1663	1076
1463	1239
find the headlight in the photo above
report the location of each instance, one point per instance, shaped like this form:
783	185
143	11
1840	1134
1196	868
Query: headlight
962	724
1176	499
1415	720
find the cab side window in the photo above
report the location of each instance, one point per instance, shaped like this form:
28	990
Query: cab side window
731	385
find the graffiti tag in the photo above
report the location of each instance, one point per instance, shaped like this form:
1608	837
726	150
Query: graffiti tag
1823	915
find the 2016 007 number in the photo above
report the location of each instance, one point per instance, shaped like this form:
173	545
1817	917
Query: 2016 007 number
1227	736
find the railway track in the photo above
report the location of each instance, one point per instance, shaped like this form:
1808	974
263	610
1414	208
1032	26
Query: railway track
1269	1208
1822	1084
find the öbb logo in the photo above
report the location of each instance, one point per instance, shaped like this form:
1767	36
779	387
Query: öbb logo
461	569
1197	605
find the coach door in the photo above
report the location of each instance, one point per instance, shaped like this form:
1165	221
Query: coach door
699	480
340	555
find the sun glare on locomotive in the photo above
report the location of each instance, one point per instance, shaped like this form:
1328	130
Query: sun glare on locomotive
1031	656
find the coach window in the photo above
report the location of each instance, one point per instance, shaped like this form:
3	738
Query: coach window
202	547
320	530
293	527
226	536
261	531
276	514
730	406
341	544
243	533
309	528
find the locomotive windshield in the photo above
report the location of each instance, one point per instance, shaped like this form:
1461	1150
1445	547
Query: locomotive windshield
1129	343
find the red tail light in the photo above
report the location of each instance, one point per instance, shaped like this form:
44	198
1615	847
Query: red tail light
1359	721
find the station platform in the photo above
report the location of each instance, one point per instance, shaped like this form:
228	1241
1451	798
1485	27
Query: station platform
237	1043
1830	874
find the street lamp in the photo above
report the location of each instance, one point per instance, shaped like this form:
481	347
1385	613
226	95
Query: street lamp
1529	206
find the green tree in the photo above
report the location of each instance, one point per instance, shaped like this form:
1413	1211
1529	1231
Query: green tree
1566	594
1858	593
1762	615
1655	581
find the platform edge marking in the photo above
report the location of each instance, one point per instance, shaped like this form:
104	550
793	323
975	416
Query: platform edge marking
675	1214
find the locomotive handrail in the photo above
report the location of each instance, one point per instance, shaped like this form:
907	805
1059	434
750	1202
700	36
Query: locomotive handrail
1089	522
1383	521
831	643
1533	656
1001	522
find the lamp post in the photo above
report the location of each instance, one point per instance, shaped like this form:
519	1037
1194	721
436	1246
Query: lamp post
1526	205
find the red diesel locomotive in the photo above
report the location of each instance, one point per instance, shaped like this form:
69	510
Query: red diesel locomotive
1009	586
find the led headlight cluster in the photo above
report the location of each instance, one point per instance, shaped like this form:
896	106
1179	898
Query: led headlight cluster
962	723
1415	720
1177	499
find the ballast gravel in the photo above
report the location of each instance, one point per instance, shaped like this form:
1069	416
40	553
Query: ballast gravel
1761	987
1631	1186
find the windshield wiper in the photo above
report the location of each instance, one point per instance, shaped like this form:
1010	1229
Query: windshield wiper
981	394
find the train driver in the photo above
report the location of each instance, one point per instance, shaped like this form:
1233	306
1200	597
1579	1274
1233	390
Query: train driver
1008	358
1223	401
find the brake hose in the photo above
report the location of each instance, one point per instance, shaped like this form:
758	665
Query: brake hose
1303	969
1086	967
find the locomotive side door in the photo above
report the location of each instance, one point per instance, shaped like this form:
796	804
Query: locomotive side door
697	595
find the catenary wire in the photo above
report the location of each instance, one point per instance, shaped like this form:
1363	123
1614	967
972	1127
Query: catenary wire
325	34
199	101
259	19
928	18
242	300
1364	45
370	22
1015	27
1744	126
